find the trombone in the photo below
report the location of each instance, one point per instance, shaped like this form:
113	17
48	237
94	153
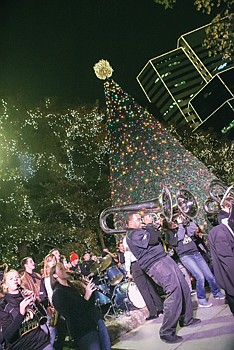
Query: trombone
218	192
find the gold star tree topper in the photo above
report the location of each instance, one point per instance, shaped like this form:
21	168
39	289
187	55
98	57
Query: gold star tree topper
103	69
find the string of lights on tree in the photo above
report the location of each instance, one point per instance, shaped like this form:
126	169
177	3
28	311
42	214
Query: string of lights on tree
144	156
34	143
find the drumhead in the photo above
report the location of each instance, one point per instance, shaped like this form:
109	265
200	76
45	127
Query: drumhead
135	296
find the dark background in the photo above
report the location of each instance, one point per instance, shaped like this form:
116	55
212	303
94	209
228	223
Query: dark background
49	47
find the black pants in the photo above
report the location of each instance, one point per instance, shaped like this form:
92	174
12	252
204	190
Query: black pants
147	289
178	303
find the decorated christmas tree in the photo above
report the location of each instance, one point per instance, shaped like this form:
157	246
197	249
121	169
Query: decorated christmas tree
144	156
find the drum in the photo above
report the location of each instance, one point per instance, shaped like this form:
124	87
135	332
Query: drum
135	296
127	296
101	298
121	300
114	275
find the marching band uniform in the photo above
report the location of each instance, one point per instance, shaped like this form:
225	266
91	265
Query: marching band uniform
152	299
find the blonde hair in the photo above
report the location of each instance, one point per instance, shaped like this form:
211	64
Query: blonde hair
4	287
47	268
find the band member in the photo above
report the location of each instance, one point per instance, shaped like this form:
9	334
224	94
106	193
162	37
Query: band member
225	209
56	253
3	269
87	262
77	306
221	239
18	321
179	235
74	258
30	280
145	285
121	257
46	294
145	244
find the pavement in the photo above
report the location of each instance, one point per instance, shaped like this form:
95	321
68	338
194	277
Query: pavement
215	332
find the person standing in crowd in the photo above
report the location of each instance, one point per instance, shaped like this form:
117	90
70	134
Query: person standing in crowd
74	259
19	323
221	239
146	246
30	280
56	253
78	308
46	294
146	287
179	236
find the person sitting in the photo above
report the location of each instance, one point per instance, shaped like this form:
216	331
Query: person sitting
86	263
120	257
19	322
179	235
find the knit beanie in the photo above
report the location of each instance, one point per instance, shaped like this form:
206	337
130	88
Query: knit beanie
73	256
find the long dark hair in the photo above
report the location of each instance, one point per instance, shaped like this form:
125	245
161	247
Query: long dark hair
53	280
78	285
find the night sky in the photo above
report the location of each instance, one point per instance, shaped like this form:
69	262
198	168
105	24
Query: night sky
49	47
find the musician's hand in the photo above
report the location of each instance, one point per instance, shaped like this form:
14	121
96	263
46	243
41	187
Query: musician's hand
129	275
90	288
148	219
24	304
50	309
179	219
29	293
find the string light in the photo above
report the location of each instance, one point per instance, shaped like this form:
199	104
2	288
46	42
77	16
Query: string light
144	154
70	146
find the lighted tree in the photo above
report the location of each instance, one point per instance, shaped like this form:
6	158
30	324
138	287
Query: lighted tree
219	35
144	156
214	149
52	179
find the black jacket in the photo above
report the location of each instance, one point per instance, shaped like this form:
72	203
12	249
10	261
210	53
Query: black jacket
221	242
81	315
145	245
18	331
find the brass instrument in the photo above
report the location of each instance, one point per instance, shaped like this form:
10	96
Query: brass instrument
185	203
35	307
185	207
54	317
218	192
4	267
151	206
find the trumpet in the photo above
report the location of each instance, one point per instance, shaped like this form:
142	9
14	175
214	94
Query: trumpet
35	307
218	192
